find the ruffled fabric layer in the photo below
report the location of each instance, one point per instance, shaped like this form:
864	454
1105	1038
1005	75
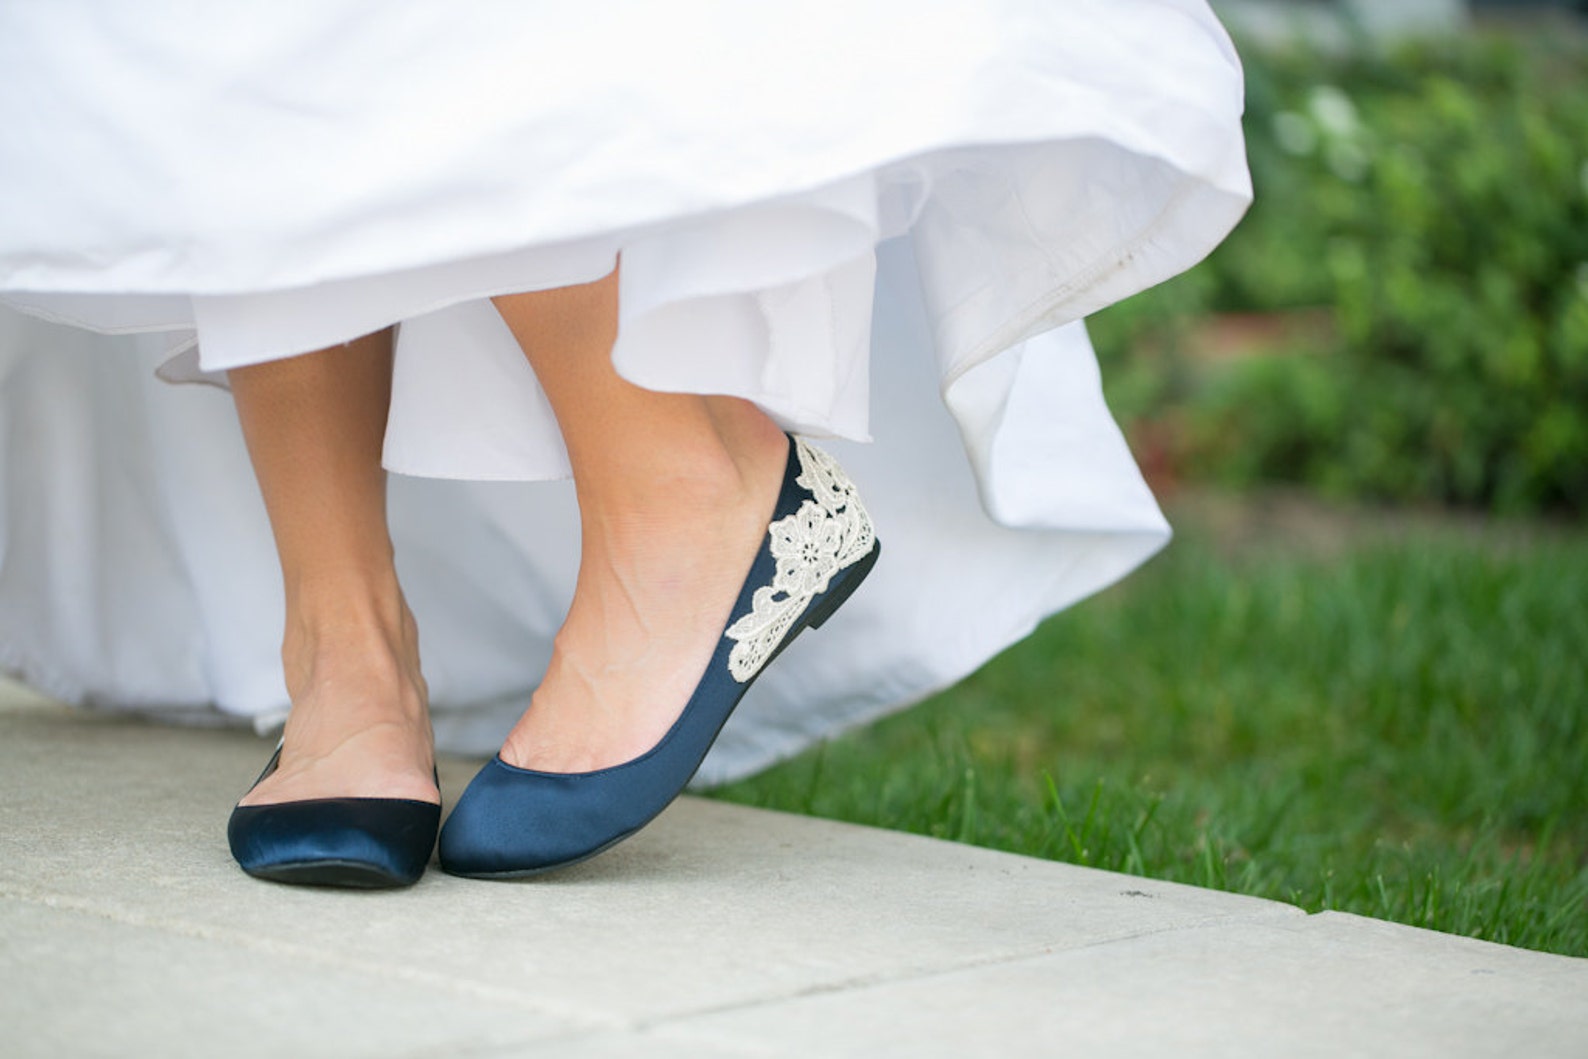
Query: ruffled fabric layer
877	221
1043	159
138	571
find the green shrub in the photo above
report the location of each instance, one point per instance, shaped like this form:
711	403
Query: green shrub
1435	198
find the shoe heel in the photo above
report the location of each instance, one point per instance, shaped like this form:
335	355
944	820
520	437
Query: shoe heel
838	594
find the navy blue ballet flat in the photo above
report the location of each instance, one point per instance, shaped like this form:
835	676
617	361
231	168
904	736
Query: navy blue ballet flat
514	822
366	843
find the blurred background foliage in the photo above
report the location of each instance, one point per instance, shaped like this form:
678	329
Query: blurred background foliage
1375	701
1403	314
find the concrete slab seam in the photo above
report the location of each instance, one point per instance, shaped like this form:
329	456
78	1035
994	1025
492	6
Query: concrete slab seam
597	1022
922	973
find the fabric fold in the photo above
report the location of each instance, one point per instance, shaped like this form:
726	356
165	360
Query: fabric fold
882	222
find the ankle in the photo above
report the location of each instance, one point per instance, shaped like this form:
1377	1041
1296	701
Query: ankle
348	598
368	638
661	489
749	435
672	483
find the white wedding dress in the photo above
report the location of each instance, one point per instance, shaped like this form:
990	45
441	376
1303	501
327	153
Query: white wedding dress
881	221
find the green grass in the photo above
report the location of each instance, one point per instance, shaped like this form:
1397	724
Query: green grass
1390	723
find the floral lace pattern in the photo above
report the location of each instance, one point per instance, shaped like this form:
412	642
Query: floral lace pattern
829	532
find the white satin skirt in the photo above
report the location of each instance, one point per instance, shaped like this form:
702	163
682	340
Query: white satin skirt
882	222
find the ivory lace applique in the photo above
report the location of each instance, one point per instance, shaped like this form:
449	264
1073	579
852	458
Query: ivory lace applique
828	533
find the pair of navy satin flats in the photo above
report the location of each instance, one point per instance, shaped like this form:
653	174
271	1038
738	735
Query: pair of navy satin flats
514	822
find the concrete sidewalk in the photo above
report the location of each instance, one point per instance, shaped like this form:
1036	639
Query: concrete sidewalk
126	930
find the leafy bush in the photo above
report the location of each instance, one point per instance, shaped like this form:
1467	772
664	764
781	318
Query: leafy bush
1436	199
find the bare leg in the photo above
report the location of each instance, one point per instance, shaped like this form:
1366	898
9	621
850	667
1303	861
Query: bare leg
675	493
359	724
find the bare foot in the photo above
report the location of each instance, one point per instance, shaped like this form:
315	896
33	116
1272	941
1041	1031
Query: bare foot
657	583
360	723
